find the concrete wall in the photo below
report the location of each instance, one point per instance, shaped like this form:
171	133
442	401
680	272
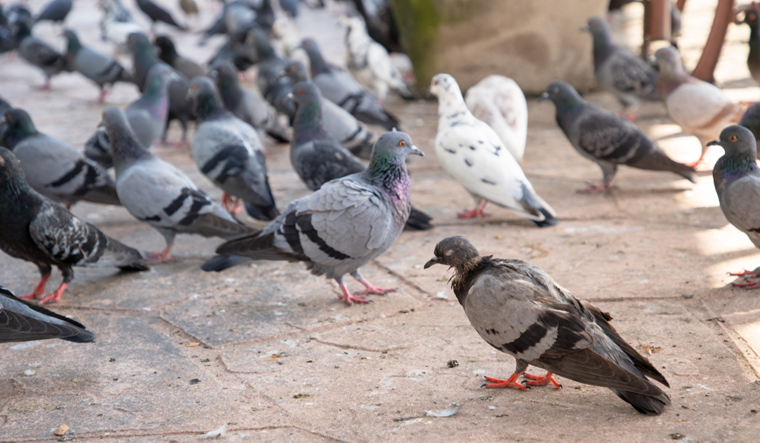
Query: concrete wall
534	42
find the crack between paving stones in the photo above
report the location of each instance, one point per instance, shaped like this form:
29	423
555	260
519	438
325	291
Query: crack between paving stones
747	355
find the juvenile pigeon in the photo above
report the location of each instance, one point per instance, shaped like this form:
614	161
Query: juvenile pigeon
369	60
23	321
519	309
159	194
229	152
753	59
472	153
55	11
37	230
700	108
183	65
342	88
101	69
53	167
606	138
342	226
750	119
737	182
499	101
158	14
620	72
39	53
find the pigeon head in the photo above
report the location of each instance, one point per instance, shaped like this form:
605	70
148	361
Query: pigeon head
72	40
11	174
562	95
138	42
668	59
318	64
393	145
262	44
751	18
737	141
305	93
19	126
600	32
444	85
225	76
296	71
166	46
205	97
124	145
454	252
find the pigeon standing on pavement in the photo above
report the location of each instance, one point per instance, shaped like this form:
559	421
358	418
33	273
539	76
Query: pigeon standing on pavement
37	230
519	309
499	101
342	226
620	72
22	321
159	194
606	138
101	69
737	182
229	152
158	14
183	65
39	53
54	168
55	11
472	153
700	108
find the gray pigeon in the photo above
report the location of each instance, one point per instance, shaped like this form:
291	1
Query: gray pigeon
341	87
620	72
168	53
55	11
101	69
339	123
159	194
519	309
157	14
44	233
23	321
53	167
606	138
229	152
737	182
342	226
39	53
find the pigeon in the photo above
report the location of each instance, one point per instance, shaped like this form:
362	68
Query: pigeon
737	182
606	138
117	24
700	108
247	104
620	72
55	11
519	309
54	168
750	119
241	53
22	321
471	152
339	123
101	69
342	226
753	59
342	88
37	230
317	158
4	107
7	39
158	14
499	101
271	80
185	66
229	152
369	60
39	53
147	117
159	194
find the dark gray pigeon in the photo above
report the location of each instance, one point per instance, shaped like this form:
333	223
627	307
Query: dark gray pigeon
607	139
229	152
101	69
737	182
23	321
341	87
270	78
620	72
39	53
519	309
53	167
342	226
158	14
159	194
4	107
55	11
183	65
44	233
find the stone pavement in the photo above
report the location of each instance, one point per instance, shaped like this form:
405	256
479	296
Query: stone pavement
268	351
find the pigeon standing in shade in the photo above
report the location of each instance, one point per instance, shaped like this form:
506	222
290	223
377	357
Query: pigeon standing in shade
342	88
342	226
753	59
159	194
606	138
472	153
44	233
700	108
185	66
737	182
620	72
157	14
54	168
22	321
519	309
55	11
101	69
750	119
499	101
229	152
39	53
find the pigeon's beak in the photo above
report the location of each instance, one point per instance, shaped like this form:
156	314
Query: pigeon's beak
585	29
543	96
431	262
290	98
714	143
417	151
429	93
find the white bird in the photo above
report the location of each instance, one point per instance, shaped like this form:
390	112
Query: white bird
471	152
499	101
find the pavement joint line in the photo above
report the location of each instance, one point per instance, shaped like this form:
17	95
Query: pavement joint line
354	347
746	354
402	278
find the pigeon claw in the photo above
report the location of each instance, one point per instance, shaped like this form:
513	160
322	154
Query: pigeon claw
156	257
541	380
596	189
744	273
39	291
472	213
231	204
747	284
511	382
55	296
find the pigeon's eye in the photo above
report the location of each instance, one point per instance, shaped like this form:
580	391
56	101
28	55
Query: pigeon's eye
732	138
751	16
555	90
449	252
402	143
435	82
102	116
300	92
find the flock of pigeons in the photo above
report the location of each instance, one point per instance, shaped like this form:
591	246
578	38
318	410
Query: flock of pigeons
356	211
